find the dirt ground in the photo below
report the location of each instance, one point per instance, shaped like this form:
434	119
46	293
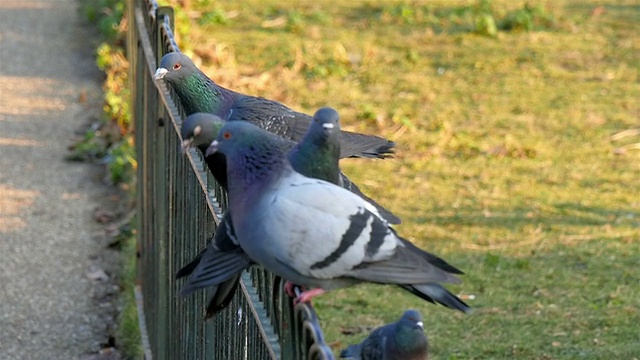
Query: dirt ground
57	273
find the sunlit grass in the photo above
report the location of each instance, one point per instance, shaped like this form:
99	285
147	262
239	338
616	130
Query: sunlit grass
505	163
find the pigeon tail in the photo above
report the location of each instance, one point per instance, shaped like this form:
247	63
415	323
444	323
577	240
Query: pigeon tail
215	269
223	295
435	293
364	146
432	259
188	269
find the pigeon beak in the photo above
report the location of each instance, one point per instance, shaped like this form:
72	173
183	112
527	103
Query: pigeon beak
327	126
212	148
419	323
186	144
160	73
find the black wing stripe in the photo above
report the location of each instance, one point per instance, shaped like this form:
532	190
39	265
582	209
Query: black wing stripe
358	223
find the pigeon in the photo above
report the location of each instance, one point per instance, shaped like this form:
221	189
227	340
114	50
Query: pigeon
198	130
318	155
315	156
314	233
198	93
401	340
319	150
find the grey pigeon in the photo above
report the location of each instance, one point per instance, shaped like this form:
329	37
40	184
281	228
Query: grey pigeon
198	130
401	340
319	151
198	93
315	156
314	233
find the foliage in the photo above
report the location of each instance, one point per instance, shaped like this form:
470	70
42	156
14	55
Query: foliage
122	161
112	61
107	15
113	143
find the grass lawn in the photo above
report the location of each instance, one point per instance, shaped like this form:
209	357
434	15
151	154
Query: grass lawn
506	166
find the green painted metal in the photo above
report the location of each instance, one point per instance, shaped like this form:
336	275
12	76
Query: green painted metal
179	206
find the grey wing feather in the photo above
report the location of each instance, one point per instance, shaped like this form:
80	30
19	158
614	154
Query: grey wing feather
404	267
292	125
271	116
221	260
361	145
222	296
188	269
435	293
216	268
373	347
222	240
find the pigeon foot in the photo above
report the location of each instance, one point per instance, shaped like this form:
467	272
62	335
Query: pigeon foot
290	289
307	295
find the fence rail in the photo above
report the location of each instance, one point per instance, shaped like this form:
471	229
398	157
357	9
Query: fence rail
179	206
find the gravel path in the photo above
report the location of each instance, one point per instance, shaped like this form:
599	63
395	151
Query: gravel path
49	88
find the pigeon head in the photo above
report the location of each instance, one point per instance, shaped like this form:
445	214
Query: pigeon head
328	120
409	334
200	129
175	66
241	136
196	92
254	157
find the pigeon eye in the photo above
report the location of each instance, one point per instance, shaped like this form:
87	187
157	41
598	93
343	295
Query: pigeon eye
226	135
177	66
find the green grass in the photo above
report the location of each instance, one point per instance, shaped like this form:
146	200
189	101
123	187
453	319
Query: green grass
505	162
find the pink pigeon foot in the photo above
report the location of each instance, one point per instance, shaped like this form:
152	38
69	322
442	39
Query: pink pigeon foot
290	289
307	295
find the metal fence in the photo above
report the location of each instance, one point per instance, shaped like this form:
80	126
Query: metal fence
179	205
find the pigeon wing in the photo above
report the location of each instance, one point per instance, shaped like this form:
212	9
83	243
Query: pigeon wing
221	260
222	296
362	145
271	116
321	230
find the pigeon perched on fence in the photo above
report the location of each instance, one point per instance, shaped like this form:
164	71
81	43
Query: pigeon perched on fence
319	151
401	340
198	93
315	156
314	233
